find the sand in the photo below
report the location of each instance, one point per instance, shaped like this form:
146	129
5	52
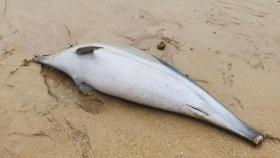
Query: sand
230	48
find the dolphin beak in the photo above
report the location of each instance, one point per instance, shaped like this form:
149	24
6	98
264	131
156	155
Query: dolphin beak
229	121
219	115
251	134
258	140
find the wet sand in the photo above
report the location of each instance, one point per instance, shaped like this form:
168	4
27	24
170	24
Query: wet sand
231	48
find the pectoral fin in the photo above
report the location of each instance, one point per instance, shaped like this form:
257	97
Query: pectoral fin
194	111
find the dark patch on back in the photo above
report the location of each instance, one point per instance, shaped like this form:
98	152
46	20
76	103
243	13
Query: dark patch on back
87	50
177	71
172	68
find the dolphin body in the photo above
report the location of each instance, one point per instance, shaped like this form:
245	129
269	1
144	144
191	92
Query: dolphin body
139	77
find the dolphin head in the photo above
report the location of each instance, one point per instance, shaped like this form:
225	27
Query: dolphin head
219	115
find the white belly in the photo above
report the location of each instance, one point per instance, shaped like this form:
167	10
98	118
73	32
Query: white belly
143	83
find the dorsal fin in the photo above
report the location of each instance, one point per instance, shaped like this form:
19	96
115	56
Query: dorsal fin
86	50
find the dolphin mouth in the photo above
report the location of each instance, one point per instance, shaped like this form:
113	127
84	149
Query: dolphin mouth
258	140
254	136
242	129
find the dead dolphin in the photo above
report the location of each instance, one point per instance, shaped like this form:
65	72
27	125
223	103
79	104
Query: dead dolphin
134	75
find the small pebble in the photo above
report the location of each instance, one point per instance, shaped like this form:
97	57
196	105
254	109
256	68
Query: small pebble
161	45
26	62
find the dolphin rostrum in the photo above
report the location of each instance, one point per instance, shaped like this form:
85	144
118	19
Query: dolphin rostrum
139	77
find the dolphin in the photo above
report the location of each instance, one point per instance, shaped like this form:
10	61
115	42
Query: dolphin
137	76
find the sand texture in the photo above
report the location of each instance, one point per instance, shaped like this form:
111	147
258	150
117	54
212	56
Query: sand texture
230	48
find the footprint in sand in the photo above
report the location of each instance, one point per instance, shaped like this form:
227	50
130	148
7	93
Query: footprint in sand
228	75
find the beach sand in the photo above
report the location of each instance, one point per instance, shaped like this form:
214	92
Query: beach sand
230	48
